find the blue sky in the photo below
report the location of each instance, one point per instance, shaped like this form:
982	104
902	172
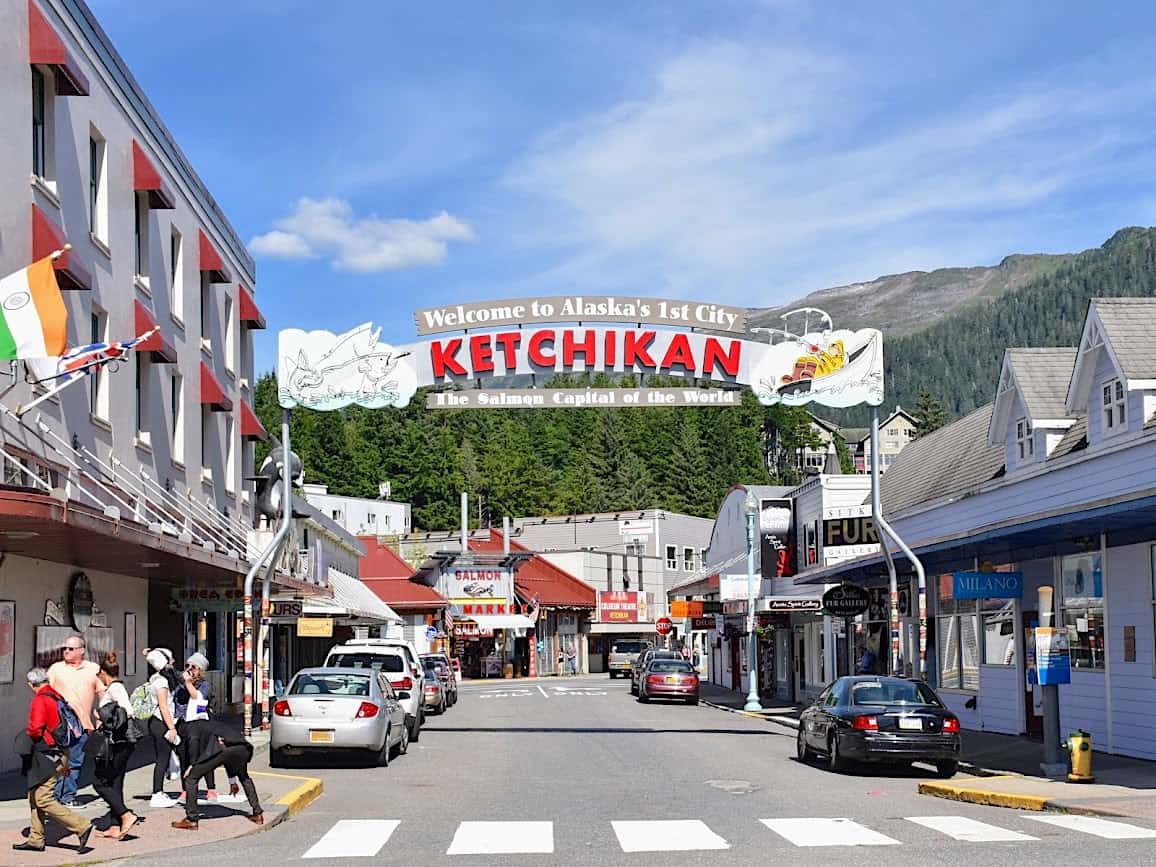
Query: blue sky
385	156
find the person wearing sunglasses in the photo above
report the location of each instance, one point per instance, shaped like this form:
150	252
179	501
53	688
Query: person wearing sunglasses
77	679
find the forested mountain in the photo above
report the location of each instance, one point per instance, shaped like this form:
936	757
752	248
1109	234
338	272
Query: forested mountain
547	461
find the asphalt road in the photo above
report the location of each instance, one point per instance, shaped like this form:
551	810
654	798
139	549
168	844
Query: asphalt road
569	757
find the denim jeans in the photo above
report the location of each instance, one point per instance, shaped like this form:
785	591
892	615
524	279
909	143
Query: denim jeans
68	783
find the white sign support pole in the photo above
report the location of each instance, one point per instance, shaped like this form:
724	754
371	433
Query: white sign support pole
270	550
885	532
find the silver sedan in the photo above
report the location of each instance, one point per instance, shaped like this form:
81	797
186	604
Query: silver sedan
338	709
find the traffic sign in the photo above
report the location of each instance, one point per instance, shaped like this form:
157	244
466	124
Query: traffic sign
431	632
664	626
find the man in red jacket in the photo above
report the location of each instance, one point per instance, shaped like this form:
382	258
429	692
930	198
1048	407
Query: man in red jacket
45	763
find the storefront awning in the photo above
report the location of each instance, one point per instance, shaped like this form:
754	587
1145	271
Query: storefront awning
351	599
158	346
146	179
211	262
622	628
46	48
501	621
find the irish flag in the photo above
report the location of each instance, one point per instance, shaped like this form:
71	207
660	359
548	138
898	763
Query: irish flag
33	319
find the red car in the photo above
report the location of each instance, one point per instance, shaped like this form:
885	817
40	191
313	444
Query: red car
668	678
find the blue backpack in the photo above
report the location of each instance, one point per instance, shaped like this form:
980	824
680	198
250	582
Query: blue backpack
68	731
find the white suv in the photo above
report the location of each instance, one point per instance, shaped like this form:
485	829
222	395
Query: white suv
398	661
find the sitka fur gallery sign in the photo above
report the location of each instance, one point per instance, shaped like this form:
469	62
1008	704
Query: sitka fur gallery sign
516	345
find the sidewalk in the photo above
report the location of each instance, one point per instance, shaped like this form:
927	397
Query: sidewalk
281	795
1004	770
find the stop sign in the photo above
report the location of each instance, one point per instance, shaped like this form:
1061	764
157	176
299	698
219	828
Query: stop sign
664	626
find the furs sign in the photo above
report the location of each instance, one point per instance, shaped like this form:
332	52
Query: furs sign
533	340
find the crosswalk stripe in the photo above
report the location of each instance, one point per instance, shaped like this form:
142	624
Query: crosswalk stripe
354	838
503	838
1097	827
969	830
666	835
827	832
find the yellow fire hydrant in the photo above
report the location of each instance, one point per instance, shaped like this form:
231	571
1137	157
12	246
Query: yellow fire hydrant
1080	747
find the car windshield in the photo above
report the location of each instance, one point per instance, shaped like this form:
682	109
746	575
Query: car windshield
431	664
893	692
389	663
628	647
331	683
671	665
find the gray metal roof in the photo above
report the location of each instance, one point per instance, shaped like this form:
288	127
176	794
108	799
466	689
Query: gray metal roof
949	461
855	434
1130	324
1043	376
1075	439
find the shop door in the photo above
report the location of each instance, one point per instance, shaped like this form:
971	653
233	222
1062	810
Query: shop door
736	665
800	663
1033	697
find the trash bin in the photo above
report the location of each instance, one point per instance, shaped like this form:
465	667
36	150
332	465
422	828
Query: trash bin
1080	748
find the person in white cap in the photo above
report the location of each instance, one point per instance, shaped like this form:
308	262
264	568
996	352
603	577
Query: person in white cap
193	700
162	724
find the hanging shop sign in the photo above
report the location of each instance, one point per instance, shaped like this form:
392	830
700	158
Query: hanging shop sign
788	604
1053	665
987	585
846	600
528	338
701	624
315	627
776	538
478	590
680	609
185	599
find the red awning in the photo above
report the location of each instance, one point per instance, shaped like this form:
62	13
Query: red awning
251	427
250	314
146	179
212	394
158	345
46	48
46	240
211	260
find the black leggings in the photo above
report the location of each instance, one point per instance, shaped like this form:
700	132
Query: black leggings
109	782
163	750
236	761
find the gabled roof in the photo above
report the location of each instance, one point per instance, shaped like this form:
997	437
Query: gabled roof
385	573
1075	439
855	435
537	579
946	462
1122	327
1040	376
381	561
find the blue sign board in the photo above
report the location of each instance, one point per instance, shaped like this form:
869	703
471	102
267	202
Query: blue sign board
1053	665
431	632
987	585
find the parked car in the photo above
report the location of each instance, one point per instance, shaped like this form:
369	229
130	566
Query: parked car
664	677
338	709
623	652
643	660
434	693
447	674
398	661
870	718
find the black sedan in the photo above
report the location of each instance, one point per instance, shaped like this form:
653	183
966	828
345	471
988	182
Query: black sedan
880	719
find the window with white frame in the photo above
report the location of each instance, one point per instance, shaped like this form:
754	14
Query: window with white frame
1115	406
230	455
208	433
671	557
141	234
97	187
999	631
176	275
143	369
98	379
702	558
956	637
206	309
1025	443
1082	610
41	125
229	363
688	559
177	416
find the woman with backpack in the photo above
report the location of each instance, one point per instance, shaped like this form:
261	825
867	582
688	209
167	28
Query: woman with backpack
162	724
112	757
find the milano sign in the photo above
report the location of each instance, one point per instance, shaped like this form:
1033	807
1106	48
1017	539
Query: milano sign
526	342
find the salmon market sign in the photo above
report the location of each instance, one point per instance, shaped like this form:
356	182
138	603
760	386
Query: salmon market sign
498	355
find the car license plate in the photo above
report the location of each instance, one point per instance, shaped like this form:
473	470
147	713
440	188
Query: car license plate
911	723
320	736
672	680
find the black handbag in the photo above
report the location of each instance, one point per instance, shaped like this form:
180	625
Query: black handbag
99	747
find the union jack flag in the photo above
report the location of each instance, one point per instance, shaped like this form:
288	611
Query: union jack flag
84	359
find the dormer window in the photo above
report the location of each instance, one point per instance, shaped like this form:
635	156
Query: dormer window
1025	443
1115	406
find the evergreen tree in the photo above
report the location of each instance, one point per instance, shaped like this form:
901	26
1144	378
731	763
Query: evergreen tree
929	414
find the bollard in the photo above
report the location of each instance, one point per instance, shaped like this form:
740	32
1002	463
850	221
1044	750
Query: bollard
1080	747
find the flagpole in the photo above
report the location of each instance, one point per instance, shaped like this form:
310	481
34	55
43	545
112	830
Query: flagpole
56	254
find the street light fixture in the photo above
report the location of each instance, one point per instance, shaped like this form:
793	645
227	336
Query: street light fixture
753	704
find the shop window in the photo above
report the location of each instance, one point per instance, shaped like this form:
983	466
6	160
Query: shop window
671	557
1082	610
957	639
999	632
1025	443
1115	401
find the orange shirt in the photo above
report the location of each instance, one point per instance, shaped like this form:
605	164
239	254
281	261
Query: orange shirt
80	687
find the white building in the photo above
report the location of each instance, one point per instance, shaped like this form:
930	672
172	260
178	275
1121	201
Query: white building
362	516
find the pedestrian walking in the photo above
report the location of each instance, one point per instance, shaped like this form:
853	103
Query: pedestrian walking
866	661
75	678
162	724
44	746
191	702
207	745
115	748
561	661
571	660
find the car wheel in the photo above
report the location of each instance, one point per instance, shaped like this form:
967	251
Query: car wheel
835	761
946	770
384	754
633	689
802	751
415	732
278	759
403	744
692	701
443	707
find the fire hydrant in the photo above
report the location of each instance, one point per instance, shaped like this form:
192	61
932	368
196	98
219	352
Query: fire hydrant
1080	747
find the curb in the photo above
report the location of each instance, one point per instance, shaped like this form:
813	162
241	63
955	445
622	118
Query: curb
296	799
970	795
784	721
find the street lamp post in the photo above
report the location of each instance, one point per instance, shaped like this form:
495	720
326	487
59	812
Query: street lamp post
752	651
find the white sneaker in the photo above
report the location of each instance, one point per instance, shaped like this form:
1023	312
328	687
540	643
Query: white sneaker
231	799
161	801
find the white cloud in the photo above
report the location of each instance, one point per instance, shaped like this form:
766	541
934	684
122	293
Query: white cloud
328	227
